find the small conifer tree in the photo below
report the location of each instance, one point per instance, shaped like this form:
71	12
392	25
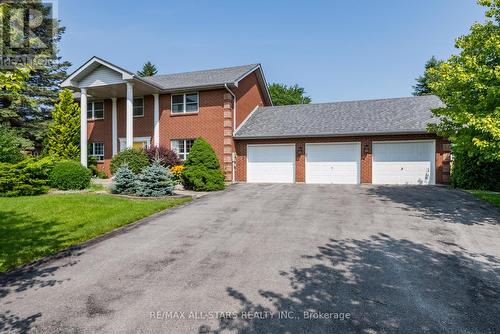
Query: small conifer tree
202	170
124	181
63	137
155	181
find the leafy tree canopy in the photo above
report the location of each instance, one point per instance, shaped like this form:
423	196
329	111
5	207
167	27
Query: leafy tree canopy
469	84
284	95
148	70
422	85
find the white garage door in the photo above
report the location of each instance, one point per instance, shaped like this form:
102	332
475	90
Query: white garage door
411	162
271	163
333	163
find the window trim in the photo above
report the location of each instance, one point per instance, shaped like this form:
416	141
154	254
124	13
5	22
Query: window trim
138	98
184	144
92	154
184	112
92	103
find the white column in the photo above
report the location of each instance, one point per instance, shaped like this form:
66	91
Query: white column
83	127
156	120
130	115
114	126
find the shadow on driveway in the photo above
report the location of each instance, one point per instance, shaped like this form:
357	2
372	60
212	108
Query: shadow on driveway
387	285
433	203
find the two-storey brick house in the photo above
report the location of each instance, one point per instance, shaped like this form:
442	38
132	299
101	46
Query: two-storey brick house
121	109
374	141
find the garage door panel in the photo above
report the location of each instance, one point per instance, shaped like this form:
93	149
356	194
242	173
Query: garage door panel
333	163
271	164
403	163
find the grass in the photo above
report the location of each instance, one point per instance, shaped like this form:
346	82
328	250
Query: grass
37	226
488	196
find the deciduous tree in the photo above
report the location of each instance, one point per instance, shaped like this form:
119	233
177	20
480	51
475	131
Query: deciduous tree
284	95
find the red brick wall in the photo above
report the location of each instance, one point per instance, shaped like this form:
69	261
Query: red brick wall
100	131
249	95
442	157
207	123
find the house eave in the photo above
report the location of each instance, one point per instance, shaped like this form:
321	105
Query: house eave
330	135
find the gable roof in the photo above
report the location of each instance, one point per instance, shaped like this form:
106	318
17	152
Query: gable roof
385	116
213	78
94	63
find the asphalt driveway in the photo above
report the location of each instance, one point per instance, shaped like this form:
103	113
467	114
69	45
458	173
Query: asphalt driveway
278	259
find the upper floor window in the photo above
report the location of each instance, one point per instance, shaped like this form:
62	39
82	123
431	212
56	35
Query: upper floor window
139	107
184	103
97	150
95	110
182	147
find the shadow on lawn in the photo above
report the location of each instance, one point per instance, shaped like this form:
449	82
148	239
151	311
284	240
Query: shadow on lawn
387	285
23	239
438	203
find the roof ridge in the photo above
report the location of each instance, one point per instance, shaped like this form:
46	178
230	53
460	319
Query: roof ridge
206	70
350	101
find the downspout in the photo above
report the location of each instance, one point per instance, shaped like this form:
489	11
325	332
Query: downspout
234	128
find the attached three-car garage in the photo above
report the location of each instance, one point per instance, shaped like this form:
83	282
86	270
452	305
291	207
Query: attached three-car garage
392	162
373	141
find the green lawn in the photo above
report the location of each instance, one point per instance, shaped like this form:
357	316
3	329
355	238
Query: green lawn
33	227
488	196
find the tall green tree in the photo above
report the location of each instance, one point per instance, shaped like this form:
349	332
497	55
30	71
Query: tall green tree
284	95
29	111
422	85
148	70
469	85
63	136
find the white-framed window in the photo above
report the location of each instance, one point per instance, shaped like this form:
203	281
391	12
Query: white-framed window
97	150
182	147
95	110
138	107
185	103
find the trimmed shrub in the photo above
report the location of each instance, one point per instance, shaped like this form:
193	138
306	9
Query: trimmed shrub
167	157
26	178
70	174
124	181
202	170
468	172
155	181
136	160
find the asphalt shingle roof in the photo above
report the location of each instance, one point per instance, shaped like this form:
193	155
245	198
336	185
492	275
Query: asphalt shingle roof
385	116
204	78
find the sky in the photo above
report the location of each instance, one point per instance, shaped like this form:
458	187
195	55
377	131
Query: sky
337	50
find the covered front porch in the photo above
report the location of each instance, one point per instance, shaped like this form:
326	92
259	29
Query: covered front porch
98	80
